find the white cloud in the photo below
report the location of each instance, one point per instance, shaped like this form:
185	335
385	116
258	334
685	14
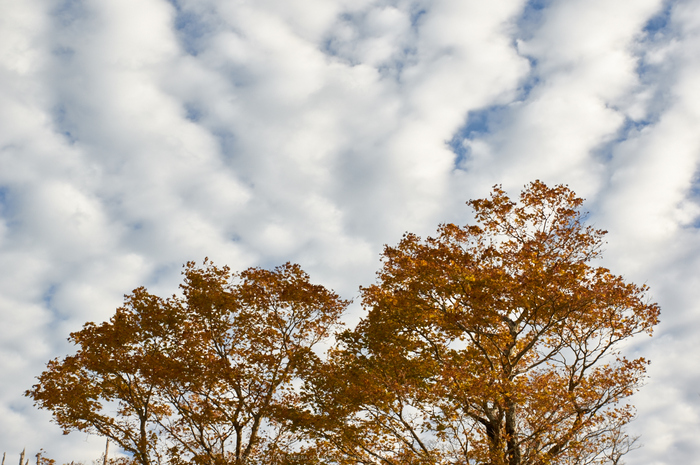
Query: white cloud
137	135
584	67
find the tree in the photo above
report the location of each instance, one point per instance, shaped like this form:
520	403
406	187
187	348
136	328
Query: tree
495	343
110	386
232	381
207	377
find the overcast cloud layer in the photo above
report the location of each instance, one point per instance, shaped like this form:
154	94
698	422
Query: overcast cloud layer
136	135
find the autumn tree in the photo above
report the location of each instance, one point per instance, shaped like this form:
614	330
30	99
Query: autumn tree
232	381
496	343
206	377
110	385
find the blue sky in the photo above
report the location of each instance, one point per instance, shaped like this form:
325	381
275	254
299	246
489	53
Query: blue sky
136	135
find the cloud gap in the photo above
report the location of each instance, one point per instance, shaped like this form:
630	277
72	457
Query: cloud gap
529	21
63	124
193	112
653	65
478	124
227	143
192	28
417	18
49	295
3	199
67	12
657	33
384	36
8	207
660	22
396	66
531	18
694	197
333	45
628	130
530	82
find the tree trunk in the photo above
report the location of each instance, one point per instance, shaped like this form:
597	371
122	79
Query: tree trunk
513	452
104	462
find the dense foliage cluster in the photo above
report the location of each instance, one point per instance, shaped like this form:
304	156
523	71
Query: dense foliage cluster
204	378
490	344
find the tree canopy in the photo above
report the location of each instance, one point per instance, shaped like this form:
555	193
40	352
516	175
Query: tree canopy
491	344
205	378
495	343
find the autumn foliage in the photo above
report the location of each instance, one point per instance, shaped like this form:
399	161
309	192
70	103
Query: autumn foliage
490	344
204	378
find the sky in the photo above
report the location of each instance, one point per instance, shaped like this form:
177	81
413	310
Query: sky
136	135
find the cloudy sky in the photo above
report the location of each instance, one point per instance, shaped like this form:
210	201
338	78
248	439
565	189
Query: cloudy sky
136	135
